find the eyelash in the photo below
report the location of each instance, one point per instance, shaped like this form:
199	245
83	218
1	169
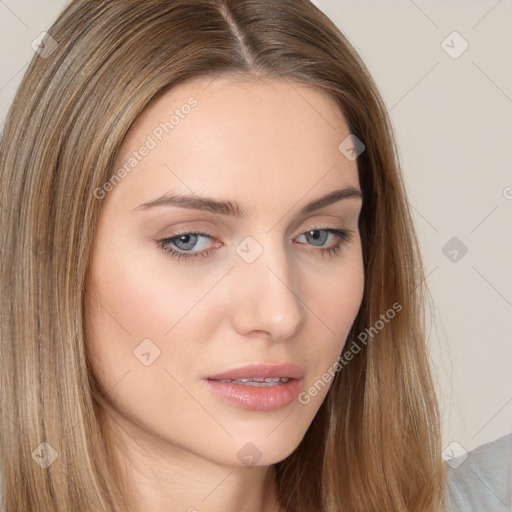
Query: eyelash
344	235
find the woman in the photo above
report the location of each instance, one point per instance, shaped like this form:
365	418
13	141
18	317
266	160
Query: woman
195	193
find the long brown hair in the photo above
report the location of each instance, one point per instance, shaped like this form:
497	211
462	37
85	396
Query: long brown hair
375	444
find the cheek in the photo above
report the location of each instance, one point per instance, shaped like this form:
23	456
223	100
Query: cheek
337	296
131	300
135	314
151	310
335	301
144	298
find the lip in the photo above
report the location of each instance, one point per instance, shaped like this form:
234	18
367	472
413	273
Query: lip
289	370
258	398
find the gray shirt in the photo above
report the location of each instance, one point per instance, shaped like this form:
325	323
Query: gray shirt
483	481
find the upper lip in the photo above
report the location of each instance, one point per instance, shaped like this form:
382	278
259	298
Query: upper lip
289	370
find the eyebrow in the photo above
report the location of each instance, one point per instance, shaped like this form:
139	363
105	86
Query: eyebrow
234	209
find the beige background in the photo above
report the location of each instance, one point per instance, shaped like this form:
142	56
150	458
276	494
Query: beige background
453	121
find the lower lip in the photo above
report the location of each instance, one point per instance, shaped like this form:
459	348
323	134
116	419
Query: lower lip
257	398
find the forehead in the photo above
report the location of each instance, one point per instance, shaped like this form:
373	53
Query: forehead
265	105
237	133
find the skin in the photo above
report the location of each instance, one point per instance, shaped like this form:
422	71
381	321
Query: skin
271	146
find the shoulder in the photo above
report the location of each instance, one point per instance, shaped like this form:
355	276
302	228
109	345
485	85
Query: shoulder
483	480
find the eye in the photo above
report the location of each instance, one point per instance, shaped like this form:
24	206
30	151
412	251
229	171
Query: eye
184	241
180	244
318	236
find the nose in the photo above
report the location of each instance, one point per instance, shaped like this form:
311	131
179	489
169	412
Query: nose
267	295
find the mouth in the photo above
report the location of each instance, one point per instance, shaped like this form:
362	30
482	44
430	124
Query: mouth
258	387
260	372
257	381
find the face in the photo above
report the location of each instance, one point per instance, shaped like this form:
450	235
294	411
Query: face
179	291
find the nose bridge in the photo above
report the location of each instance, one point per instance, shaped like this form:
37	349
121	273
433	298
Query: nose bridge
267	288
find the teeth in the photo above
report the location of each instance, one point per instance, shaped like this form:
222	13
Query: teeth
258	381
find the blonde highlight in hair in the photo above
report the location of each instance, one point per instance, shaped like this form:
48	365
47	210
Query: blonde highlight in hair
375	444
